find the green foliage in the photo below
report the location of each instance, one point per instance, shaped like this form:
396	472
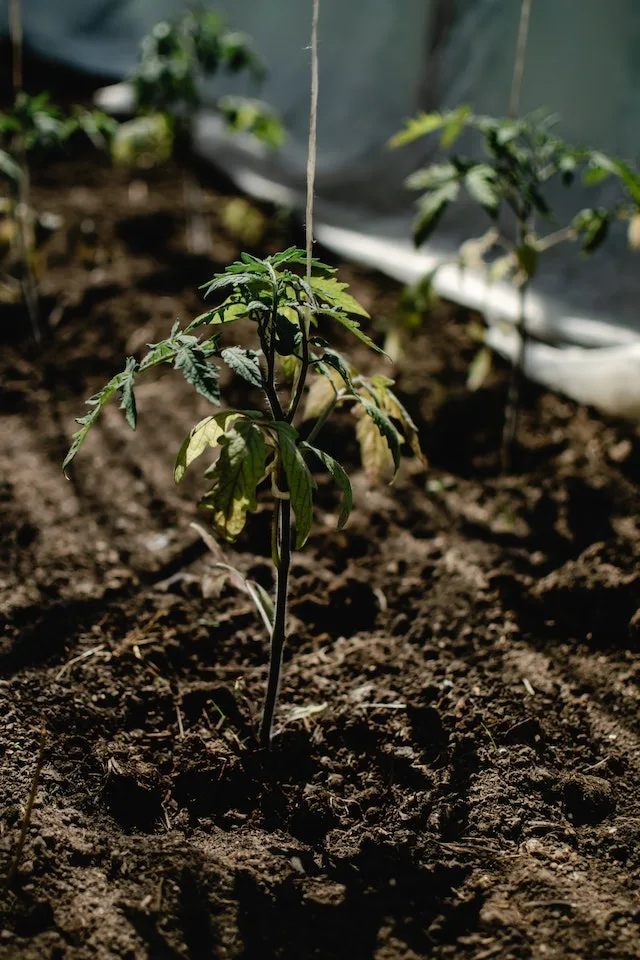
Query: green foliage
255	447
182	351
37	129
237	472
338	475
145	141
522	158
32	132
178	55
251	446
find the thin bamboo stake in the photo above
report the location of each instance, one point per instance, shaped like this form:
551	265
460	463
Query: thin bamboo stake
521	51
22	209
15	31
312	151
517	368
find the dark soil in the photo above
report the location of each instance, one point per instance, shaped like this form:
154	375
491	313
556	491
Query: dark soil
455	770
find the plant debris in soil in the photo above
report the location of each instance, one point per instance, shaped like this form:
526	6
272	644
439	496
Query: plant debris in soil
456	762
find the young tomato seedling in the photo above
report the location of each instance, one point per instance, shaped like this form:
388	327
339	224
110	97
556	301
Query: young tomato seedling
522	158
174	60
264	446
33	131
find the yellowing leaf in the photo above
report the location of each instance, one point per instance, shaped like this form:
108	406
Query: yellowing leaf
238	470
417	127
633	233
384	425
390	405
321	394
479	369
288	365
205	434
291	315
374	450
143	142
501	268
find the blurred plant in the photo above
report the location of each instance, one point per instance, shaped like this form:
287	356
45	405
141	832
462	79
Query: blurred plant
522	158
243	221
33	132
256	446
174	60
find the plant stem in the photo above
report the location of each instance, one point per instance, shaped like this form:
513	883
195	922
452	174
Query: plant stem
521	50
15	30
559	236
278	634
26	820
302	376
22	207
510	428
512	408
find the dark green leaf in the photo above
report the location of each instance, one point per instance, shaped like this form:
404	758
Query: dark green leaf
128	400
227	280
192	363
97	402
567	166
285	335
340	477
335	360
351	324
245	363
290	255
539	201
299	480
527	257
593	227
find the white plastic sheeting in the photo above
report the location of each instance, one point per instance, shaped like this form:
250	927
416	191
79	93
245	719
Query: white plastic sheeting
381	61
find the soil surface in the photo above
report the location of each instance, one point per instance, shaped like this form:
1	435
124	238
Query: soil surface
456	763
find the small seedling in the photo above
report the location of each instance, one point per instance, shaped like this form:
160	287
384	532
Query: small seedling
174	60
523	157
32	132
264	446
